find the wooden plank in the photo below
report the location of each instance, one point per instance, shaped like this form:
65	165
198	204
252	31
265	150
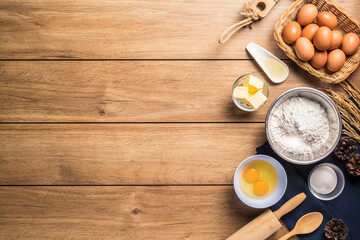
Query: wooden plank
146	154
112	29
207	212
132	91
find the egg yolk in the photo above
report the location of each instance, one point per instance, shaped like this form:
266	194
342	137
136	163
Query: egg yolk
251	175
261	187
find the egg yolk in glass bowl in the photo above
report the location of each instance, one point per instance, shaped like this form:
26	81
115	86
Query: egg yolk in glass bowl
251	175
258	179
261	187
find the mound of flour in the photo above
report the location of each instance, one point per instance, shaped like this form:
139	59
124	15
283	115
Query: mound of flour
300	127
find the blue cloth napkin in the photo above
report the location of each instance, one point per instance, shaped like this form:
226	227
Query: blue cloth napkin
345	207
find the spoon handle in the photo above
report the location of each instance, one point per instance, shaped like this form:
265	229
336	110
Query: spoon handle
287	236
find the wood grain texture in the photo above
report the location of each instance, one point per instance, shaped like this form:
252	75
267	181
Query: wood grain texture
107	154
134	29
207	212
132	91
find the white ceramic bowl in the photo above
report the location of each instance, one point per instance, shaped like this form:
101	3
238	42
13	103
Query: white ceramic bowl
271	199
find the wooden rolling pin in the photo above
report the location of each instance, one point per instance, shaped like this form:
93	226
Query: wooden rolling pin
268	222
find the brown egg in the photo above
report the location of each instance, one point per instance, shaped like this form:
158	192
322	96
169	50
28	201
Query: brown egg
307	14
337	39
327	19
323	38
304	49
309	31
336	60
291	32
350	43
319	59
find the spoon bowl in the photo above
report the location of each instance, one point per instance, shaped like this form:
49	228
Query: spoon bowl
306	224
275	69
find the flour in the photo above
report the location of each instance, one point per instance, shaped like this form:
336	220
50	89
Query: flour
300	127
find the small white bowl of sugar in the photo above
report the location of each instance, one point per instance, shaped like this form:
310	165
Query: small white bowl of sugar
326	181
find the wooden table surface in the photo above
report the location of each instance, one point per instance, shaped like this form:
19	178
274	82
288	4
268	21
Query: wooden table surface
117	120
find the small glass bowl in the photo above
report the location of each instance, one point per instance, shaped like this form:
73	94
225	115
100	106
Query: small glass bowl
240	82
339	185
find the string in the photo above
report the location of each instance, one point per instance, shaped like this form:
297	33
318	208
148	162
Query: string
250	15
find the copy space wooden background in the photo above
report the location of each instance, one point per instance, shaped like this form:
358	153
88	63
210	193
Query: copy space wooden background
117	120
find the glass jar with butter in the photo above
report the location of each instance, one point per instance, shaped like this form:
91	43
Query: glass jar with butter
250	92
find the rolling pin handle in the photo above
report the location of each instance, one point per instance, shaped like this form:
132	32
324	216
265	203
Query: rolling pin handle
290	205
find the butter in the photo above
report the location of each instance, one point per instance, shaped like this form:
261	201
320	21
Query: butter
256	100
241	93
246	100
253	83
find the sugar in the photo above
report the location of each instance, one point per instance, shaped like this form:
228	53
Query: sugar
323	180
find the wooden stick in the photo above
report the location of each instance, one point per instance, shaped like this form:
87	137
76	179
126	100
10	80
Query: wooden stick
251	12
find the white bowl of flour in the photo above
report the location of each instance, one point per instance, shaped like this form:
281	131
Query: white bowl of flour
303	125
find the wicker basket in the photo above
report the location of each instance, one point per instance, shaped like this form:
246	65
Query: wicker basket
346	23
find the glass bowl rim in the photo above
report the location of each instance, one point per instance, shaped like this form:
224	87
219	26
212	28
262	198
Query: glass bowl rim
235	85
337	170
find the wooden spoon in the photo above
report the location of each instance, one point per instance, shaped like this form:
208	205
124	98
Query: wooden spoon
306	224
